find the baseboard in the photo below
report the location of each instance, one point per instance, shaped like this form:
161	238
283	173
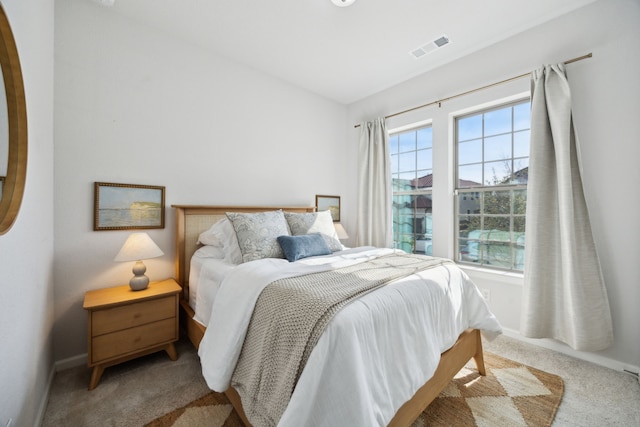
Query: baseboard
607	362
71	362
42	407
57	366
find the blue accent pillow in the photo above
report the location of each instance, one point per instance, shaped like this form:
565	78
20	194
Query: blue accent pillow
303	246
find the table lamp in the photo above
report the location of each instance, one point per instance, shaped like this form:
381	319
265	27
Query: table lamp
138	246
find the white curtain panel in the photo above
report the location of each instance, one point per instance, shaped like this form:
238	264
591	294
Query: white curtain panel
374	220
564	293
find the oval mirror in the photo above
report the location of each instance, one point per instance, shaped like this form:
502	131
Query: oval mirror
13	129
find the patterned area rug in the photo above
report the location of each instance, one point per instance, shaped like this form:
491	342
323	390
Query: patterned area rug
511	394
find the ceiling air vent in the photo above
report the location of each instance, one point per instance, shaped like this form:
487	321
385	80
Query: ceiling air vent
429	47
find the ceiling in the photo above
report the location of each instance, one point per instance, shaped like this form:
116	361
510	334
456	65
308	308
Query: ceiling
342	53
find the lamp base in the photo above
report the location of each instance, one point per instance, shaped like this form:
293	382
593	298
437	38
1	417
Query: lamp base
139	281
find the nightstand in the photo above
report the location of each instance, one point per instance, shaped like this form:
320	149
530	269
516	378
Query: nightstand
125	324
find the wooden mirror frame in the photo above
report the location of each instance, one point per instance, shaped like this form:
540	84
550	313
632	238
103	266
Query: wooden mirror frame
13	186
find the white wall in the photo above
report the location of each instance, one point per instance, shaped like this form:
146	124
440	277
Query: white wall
606	100
26	250
136	106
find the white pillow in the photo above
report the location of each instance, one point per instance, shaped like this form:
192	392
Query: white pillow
222	235
216	234
209	252
257	233
315	222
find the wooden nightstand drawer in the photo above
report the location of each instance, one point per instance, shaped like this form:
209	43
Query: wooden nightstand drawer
128	316
121	343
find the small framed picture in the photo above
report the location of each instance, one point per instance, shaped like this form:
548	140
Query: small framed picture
330	203
127	206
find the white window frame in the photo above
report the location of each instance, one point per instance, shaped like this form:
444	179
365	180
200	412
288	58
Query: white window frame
401	129
479	109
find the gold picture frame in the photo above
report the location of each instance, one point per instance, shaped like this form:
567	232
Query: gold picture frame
127	206
330	203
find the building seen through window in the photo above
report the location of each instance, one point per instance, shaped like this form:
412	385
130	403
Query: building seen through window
491	170
492	148
412	180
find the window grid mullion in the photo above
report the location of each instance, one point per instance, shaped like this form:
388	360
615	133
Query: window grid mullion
503	250
407	219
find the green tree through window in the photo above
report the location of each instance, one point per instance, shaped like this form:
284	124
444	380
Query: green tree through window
492	158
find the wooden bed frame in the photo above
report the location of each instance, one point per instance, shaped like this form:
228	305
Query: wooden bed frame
191	220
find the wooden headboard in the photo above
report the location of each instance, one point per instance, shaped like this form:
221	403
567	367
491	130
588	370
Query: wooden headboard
191	220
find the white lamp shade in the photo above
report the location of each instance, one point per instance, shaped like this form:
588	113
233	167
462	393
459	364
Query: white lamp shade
342	233
138	246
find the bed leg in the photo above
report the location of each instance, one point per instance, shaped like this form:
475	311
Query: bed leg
236	402
479	356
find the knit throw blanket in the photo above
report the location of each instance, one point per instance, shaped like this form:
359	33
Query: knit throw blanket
288	319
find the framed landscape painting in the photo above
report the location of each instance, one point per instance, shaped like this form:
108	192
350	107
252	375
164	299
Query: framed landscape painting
329	203
127	206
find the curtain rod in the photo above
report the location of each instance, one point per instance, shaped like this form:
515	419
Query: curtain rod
579	58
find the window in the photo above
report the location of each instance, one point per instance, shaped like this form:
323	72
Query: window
412	179
492	159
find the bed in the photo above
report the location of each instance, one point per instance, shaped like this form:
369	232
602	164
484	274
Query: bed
192	220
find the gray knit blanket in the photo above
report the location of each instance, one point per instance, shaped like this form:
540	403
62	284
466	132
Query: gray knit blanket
288	319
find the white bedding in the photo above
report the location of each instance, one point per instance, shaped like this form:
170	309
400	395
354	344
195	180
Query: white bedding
374	354
205	277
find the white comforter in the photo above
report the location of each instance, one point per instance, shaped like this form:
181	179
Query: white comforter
374	354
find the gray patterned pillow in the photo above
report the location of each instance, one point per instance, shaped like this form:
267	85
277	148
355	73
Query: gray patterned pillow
257	233
316	222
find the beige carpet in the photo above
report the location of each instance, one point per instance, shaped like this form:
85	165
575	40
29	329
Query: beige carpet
511	394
